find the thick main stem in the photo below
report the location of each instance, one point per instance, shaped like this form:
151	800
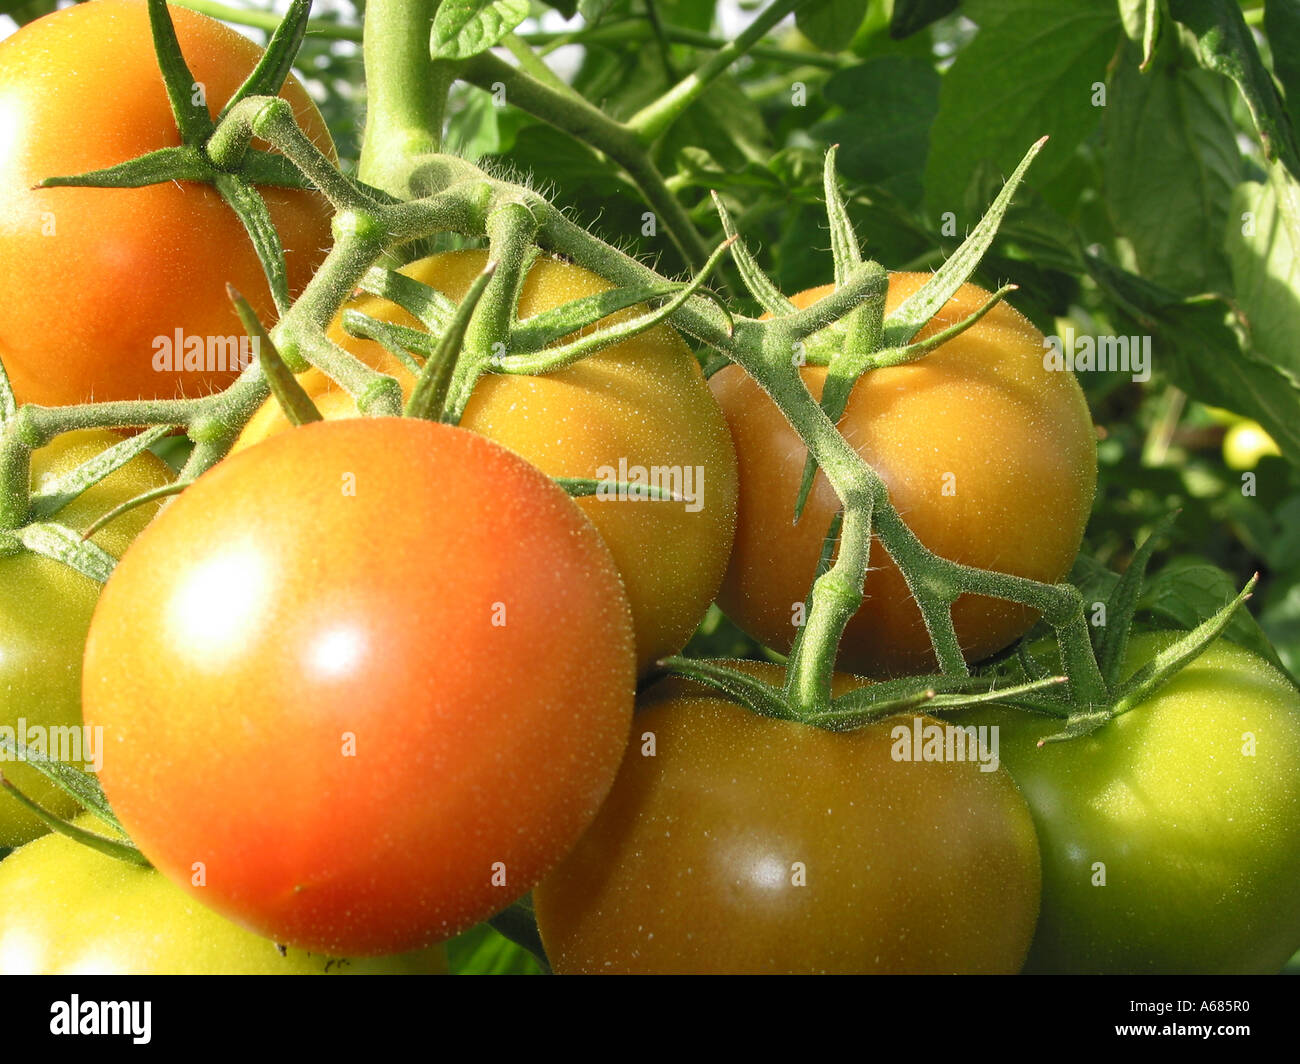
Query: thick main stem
406	91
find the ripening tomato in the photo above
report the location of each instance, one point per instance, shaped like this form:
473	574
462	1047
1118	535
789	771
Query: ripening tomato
97	283
1170	836
363	685
988	456
643	403
66	909
734	843
45	609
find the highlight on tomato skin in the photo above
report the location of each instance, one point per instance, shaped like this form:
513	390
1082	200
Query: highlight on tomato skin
738	844
991	458
385	631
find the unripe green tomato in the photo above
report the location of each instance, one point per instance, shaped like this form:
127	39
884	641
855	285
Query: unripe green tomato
45	610
1171	836
66	909
1245	443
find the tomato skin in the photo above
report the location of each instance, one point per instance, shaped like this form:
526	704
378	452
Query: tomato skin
91	277
989	458
1200	843
689	866
66	909
354	670
45	609
644	400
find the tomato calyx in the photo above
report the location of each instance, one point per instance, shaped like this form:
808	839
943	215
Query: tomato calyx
226	162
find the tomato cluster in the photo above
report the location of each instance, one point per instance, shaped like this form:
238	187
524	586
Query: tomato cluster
368	681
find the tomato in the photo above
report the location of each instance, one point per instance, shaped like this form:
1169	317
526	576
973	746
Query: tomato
66	909
989	457
363	685
45	609
1245	443
747	844
1171	836
643	402
95	279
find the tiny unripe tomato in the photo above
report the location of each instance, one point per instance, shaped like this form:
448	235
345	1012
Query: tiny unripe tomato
643	403
98	284
1245	443
361	686
734	843
66	909
989	457
1171	836
45	610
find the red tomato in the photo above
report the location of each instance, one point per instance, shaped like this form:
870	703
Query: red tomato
363	685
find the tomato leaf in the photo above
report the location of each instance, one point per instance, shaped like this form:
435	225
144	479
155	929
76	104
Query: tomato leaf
464	28
912	15
53	495
1030	71
1165	192
1204	354
831	24
1282	24
1227	47
887	106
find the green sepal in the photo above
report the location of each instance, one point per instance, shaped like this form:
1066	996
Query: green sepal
431	308
400	341
760	286
877	702
908	317
268	77
61	543
192	119
582	487
546	328
185	163
429	397
1112	641
518	923
1165	665
76	783
252	210
755	694
57	493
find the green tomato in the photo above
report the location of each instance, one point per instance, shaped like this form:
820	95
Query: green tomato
66	909
1245	443
45	610
1170	837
